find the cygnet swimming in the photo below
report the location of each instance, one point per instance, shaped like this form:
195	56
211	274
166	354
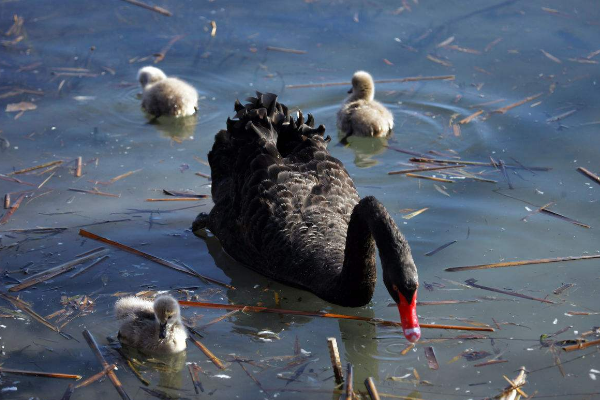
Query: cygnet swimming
360	114
153	327
166	96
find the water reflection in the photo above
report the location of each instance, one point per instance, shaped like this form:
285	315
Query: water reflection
364	148
177	129
357	344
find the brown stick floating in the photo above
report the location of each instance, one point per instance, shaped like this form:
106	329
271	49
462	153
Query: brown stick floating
260	386
25	307
12	210
15	180
431	178
321	314
96	192
79	167
95	377
161	56
179	199
520	263
7	201
111	374
48	164
435	161
158	260
399	80
284	50
38	373
349	382
203	175
55	271
470	117
471	282
334	354
157	9
408	171
589	174
219	319
207	352
582	345
372	389
503	110
194	373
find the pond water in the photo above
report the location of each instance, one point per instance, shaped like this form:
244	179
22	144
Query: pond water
77	63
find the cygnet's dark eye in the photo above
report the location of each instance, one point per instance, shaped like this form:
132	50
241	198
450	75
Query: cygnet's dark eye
169	317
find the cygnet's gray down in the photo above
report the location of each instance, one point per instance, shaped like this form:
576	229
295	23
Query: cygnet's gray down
166	96
360	114
153	327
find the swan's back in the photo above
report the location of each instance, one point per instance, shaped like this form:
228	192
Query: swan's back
282	202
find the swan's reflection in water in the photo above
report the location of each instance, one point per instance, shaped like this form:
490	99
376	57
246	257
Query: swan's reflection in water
364	148
357	345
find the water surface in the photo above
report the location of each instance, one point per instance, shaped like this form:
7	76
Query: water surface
522	48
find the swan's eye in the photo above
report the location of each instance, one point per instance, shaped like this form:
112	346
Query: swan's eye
395	288
169	317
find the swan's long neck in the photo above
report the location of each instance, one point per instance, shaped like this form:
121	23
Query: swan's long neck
370	225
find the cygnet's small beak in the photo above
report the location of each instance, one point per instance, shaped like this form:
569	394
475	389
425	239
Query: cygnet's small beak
162	333
350	91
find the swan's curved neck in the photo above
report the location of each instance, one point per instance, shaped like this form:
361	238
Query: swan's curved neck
370	225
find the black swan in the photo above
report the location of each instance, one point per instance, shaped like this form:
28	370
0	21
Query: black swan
289	210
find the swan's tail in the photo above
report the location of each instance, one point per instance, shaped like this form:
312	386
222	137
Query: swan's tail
263	117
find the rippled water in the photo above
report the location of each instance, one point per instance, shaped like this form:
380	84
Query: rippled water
98	117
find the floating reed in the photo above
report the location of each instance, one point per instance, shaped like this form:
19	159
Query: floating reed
12	209
408	171
179	199
582	345
349	382
79	167
373	393
483	164
111	374
334	354
38	373
52	272
158	260
25	170
18	303
97	376
520	263
321	314
157	9
207	352
431	178
584	171
503	110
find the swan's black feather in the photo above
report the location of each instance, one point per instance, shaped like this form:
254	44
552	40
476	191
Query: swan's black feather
282	202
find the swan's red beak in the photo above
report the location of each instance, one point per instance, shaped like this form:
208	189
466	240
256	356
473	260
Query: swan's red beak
408	317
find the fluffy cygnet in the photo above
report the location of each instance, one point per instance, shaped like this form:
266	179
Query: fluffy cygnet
154	327
166	96
360	115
